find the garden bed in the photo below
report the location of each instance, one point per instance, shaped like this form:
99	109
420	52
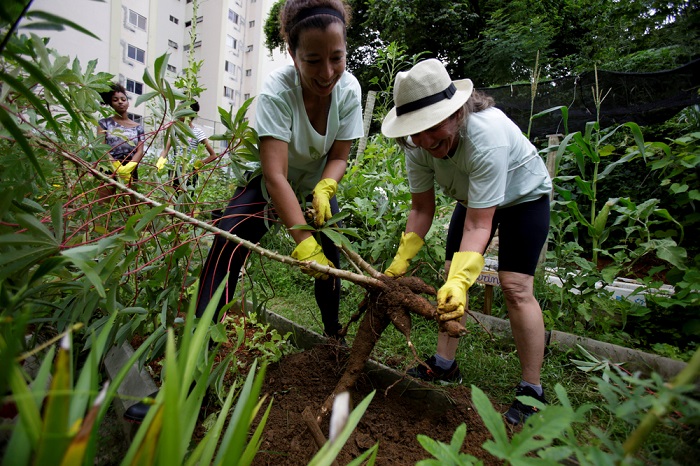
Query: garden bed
393	419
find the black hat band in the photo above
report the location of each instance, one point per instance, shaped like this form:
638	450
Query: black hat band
426	101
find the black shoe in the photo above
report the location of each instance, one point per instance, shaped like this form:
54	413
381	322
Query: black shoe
435	373
137	412
519	412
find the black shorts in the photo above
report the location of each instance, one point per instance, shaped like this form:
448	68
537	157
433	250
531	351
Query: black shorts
522	232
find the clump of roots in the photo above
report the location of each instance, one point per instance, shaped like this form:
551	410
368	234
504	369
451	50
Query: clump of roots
391	302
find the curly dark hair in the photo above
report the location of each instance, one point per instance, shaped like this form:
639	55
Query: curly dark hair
113	89
290	28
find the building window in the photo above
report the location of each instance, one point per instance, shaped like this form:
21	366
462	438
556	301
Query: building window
134	86
174	20
188	24
200	19
233	16
249	72
251	24
185	47
189	1
172	43
136	53
172	69
137	20
231	42
228	92
249	48
135	118
229	67
246	96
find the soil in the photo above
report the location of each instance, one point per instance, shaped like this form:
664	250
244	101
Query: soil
392	419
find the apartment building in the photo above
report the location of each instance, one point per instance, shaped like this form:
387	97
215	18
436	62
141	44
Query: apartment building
228	37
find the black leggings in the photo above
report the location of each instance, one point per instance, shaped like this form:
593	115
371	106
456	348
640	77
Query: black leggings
523	230
245	216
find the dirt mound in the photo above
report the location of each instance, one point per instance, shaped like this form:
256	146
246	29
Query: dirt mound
307	378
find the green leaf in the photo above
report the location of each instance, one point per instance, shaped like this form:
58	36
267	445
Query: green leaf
38	228
37	104
159	67
21	259
303	227
89	272
674	255
638	137
149	216
8	122
146	97
237	432
492	419
41	77
204	452
170	434
150	82
337	238
585	187
55	435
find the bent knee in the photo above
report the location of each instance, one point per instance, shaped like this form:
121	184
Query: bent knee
517	288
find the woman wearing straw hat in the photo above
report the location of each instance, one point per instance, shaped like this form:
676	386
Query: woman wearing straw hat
455	137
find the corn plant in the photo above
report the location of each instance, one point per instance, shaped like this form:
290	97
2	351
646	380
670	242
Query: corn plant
584	161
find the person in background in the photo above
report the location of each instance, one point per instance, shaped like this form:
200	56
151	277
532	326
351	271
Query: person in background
307	116
454	136
125	136
192	142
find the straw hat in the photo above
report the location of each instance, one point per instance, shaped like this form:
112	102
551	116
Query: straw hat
424	96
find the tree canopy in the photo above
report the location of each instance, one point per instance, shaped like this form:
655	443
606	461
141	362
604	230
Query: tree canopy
496	42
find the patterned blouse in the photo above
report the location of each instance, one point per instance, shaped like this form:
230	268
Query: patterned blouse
122	139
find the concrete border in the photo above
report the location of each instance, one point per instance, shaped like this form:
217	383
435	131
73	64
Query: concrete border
634	360
136	385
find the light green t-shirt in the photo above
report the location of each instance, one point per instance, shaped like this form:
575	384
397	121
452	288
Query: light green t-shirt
495	165
281	114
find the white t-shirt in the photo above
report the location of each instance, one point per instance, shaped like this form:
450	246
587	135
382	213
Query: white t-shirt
281	114
494	165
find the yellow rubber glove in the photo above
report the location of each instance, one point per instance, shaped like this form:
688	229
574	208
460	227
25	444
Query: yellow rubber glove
198	164
124	171
310	250
452	297
160	163
408	248
323	193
